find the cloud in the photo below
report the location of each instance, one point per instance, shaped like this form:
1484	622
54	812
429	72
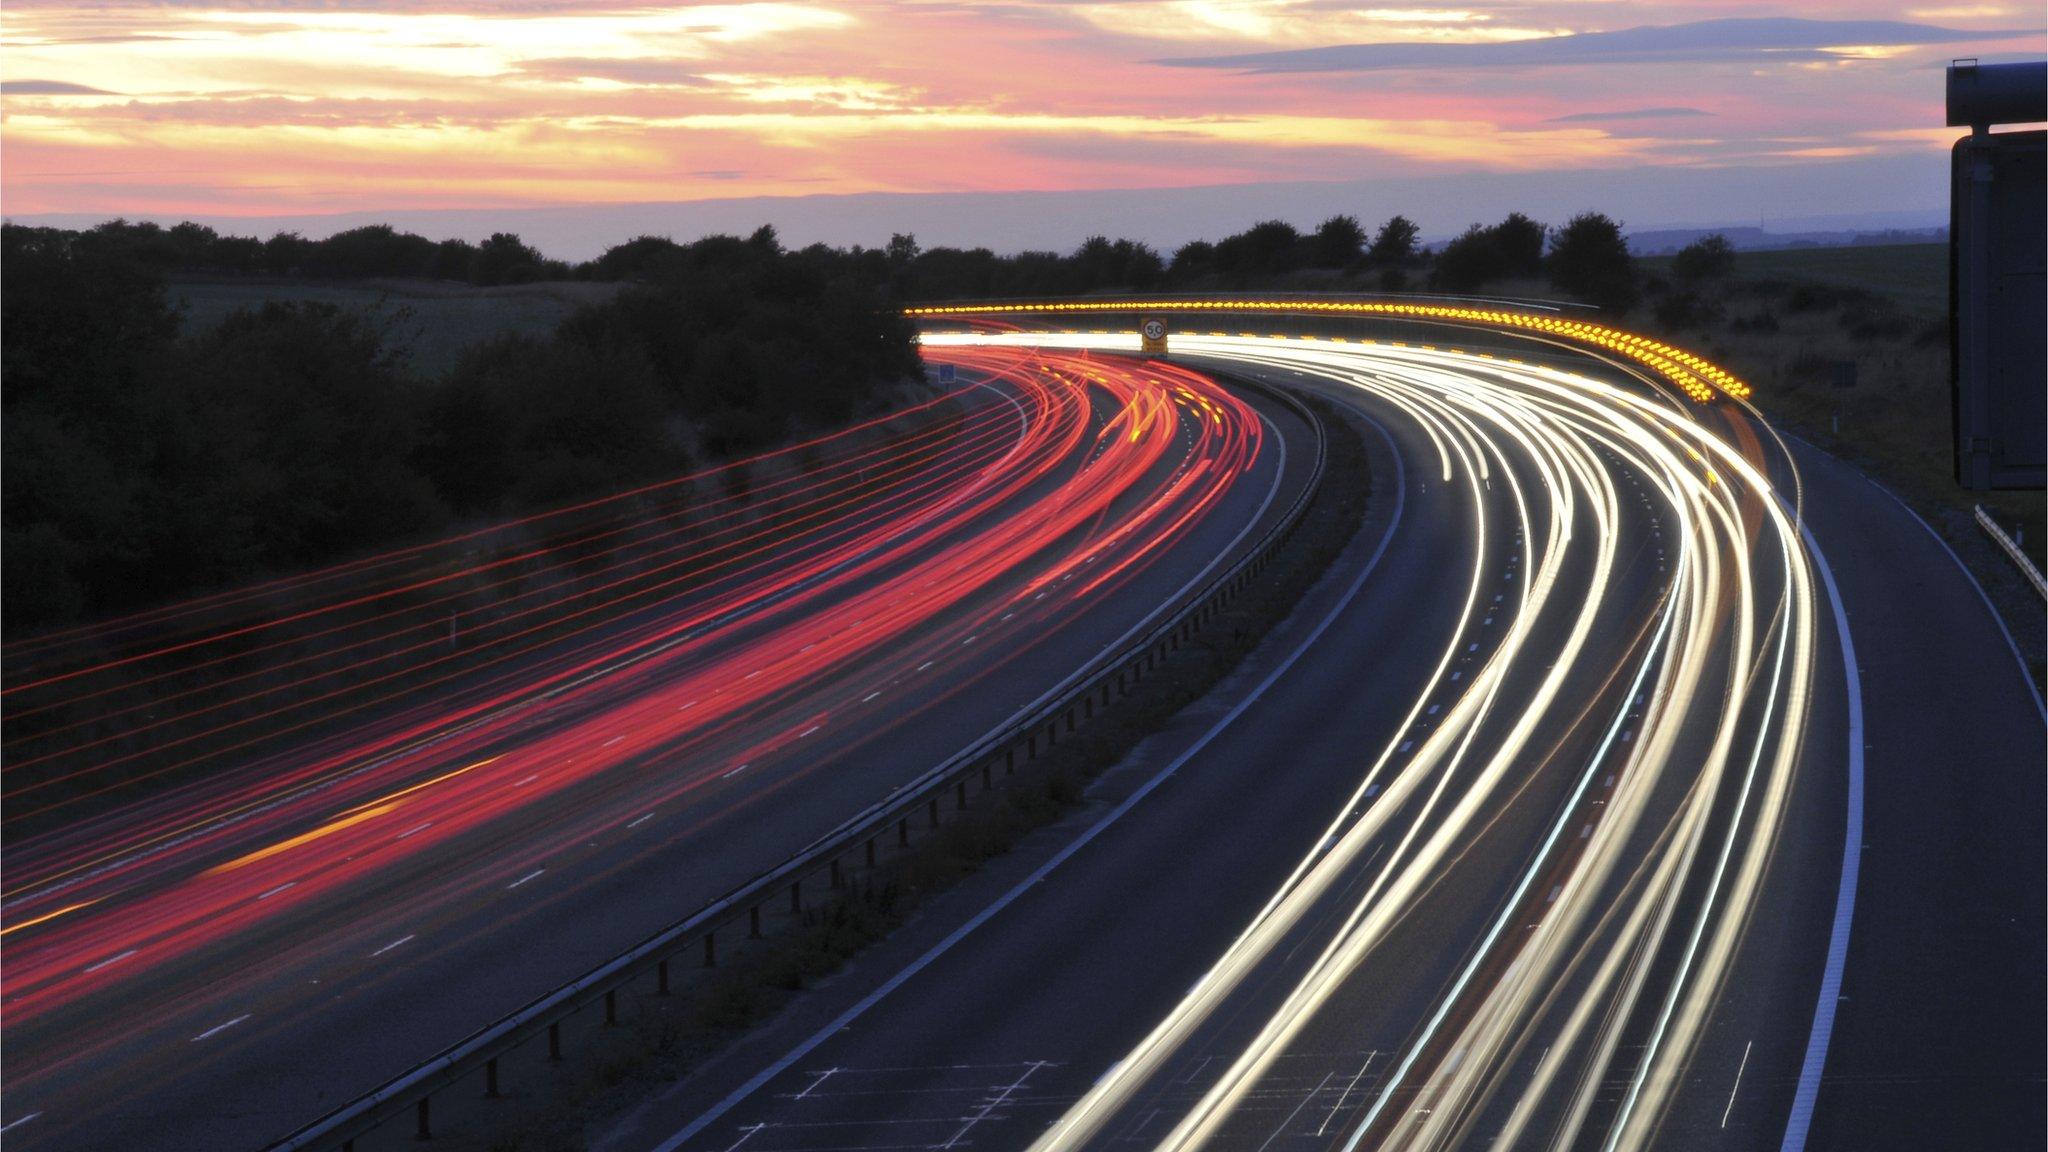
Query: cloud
1773	38
49	88
1630	114
639	72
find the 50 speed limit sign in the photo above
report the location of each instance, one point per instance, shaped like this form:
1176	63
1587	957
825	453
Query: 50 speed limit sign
1153	330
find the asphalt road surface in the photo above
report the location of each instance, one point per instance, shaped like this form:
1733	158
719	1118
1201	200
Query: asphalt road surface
1636	780
211	966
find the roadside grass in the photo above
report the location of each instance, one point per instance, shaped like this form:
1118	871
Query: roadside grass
672	1036
1914	276
430	323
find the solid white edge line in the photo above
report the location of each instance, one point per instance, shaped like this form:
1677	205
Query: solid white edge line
1803	1099
839	1023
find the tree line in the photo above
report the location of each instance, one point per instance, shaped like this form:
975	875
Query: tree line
1586	257
142	463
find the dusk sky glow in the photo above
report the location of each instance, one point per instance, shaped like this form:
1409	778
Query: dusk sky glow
273	108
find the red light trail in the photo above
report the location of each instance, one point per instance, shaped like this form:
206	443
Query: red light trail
315	736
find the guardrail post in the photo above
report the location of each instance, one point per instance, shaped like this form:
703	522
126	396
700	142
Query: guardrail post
933	812
754	922
796	896
611	1007
711	949
838	878
988	779
903	832
960	795
426	1129
555	1040
871	851
1087	708
491	1079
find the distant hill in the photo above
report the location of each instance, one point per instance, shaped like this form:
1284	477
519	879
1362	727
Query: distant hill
1664	241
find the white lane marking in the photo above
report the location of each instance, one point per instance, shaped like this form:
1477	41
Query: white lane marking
528	780
1585	832
1554	892
808	731
613	740
869	696
1371	790
736	771
276	890
1088	836
1738	1083
1435	708
110	960
524	879
641	820
13	1124
749	1134
754	673
1803	1097
1305	1101
991	1106
220	1028
1406	745
415	828
1347	1091
1628	736
827	1074
1457	675
1472	648
687	707
971	639
925	665
406	939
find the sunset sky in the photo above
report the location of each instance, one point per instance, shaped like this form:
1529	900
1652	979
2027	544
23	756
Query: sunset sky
264	108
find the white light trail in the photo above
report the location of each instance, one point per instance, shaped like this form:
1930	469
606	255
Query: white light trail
1693	663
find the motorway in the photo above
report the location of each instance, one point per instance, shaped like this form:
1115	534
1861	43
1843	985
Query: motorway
406	795
1638	779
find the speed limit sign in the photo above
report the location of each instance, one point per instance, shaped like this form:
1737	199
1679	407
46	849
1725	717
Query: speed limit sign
1154	332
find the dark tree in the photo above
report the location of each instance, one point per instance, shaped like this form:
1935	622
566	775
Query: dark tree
1708	258
1394	245
1520	241
1338	242
506	259
1469	262
1265	249
1193	259
1589	259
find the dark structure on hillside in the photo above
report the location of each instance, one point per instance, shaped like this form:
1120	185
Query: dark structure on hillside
1998	360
